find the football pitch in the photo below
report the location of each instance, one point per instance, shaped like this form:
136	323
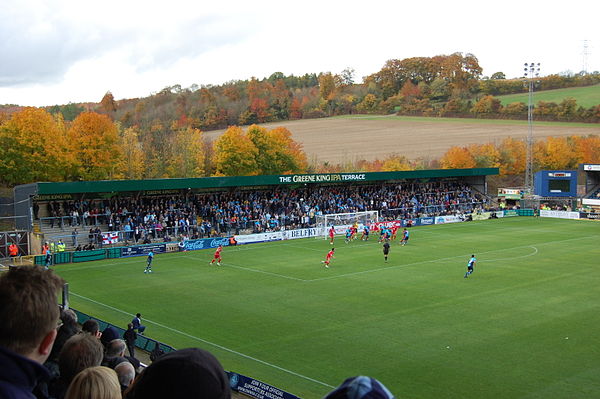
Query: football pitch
526	324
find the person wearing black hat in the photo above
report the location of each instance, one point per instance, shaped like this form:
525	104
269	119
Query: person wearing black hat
185	373
360	387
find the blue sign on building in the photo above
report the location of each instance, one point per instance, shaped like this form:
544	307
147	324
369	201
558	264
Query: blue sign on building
556	183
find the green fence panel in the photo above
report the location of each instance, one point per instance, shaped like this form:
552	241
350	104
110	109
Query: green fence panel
525	212
113	253
61	257
84	256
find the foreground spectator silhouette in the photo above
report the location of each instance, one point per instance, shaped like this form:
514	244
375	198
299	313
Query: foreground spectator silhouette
185	373
360	387
80	352
29	318
95	383
69	328
126	374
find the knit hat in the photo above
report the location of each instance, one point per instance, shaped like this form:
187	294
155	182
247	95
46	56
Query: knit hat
108	335
185	373
360	387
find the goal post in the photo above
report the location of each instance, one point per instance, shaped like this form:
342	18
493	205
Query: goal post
341	221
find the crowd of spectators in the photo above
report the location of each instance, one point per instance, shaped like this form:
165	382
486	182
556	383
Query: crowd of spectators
199	215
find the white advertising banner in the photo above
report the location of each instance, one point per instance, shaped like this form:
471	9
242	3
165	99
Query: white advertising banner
260	237
559	214
590	201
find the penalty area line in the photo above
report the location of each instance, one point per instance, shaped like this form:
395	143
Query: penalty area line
210	343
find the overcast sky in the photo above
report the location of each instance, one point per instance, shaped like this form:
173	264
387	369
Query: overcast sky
61	51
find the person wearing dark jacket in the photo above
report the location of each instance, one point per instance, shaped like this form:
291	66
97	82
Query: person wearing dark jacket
130	336
27	298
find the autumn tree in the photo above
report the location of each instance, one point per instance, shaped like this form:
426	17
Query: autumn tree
235	154
512	156
487	105
588	148
186	153
556	153
485	155
396	162
134	157
458	158
108	104
287	154
96	140
34	147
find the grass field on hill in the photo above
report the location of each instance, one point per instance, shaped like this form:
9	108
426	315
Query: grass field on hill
586	97
524	325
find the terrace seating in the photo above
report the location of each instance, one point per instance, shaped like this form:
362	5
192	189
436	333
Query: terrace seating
235	212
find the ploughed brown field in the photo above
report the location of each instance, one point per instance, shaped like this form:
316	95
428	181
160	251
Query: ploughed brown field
340	140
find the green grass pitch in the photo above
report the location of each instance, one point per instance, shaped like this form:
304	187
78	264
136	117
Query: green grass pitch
524	325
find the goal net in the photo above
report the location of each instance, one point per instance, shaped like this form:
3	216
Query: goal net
340	221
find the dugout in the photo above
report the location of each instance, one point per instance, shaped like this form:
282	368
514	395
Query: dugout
30	199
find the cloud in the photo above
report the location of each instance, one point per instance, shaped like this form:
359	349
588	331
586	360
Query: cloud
41	43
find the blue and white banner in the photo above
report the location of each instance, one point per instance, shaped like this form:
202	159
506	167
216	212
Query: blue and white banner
141	250
205	243
255	388
447	219
426	221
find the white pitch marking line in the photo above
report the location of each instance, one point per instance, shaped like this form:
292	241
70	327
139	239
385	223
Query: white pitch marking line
210	343
535	252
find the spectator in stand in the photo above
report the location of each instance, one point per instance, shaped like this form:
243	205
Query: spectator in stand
69	328
130	336
79	352
115	354
108	335
91	327
29	317
185	373
95	383
156	352
126	374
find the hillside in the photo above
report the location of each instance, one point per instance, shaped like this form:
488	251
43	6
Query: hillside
352	138
586	97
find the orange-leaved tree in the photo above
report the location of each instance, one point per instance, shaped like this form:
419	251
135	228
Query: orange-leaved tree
485	155
556	153
96	141
588	148
458	158
512	156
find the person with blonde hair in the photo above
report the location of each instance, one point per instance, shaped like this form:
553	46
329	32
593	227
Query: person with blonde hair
95	383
